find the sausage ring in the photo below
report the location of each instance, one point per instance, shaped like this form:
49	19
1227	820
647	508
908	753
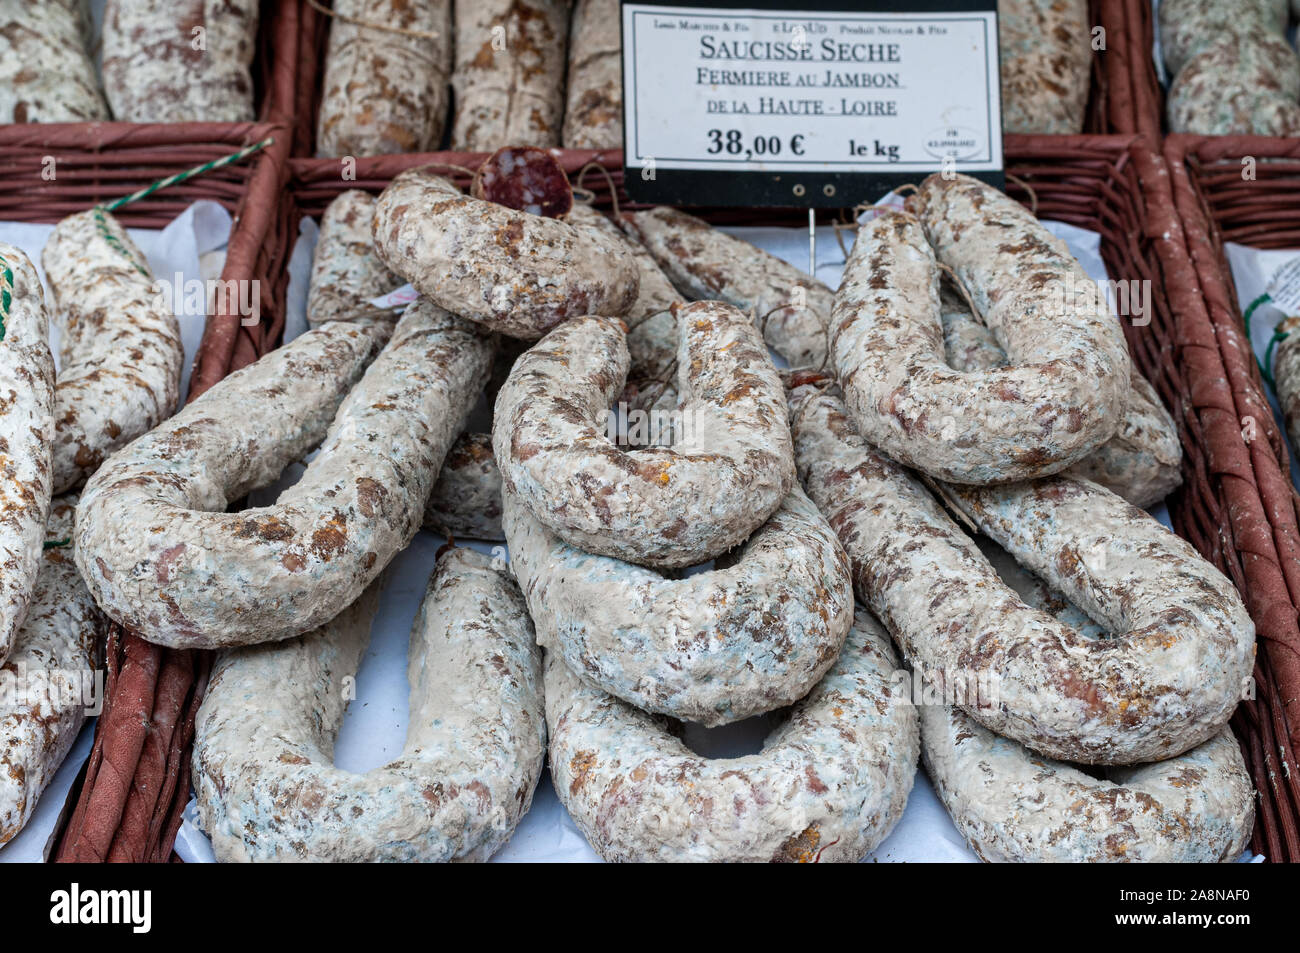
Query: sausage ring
26	431
162	558
120	373
1184	645
668	507
513	272
1062	397
264	776
1140	463
1012	805
713	647
830	783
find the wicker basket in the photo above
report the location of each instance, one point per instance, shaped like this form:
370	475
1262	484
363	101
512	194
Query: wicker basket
1244	509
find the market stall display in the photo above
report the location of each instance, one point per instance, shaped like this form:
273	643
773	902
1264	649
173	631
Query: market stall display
927	469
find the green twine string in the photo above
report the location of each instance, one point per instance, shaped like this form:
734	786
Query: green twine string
6	293
114	242
188	174
57	543
1265	366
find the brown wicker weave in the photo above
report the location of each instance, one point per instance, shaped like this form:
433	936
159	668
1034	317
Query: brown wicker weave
1243	509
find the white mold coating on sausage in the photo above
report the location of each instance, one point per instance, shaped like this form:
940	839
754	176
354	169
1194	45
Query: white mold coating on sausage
26	433
749	635
46	72
264	776
1184	646
60	643
345	271
512	272
121	353
161	555
384	90
668	507
829	785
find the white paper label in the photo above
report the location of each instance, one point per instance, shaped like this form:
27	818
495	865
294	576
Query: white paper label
789	91
1284	288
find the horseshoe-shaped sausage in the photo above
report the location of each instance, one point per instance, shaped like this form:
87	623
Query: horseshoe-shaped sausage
1064	393
1013	805
1184	645
668	507
264	775
829	785
743	638
161	556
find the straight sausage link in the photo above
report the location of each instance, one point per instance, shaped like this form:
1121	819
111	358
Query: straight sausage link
163	559
740	639
385	91
829	785
46	72
26	432
669	507
264	776
1045	47
1140	463
466	500
1012	805
1189	26
1184	647
509	76
180	60
1238	85
121	351
1062	397
345	271
791	308
512	272
57	649
593	117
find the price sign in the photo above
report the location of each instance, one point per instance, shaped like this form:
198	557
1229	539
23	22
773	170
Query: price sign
748	104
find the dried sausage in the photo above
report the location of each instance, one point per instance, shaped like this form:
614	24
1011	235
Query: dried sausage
791	308
1140	463
162	558
509	76
121	351
265	780
345	271
385	91
1183	647
26	432
46	73
1045	48
593	116
829	785
670	507
54	658
466	500
747	636
180	60
1064	393
515	273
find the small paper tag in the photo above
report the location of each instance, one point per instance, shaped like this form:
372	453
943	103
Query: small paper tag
1284	287
399	298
